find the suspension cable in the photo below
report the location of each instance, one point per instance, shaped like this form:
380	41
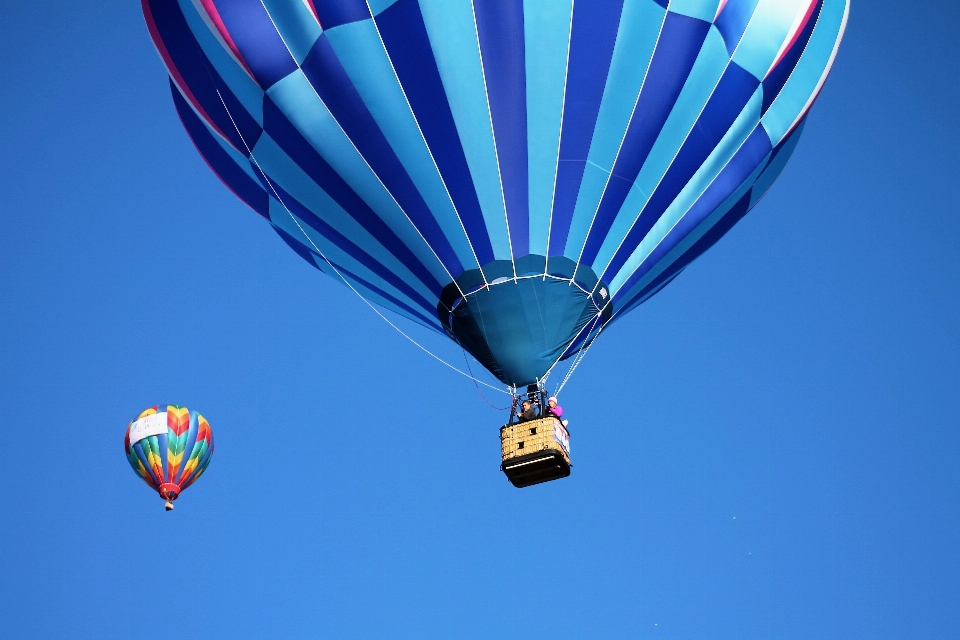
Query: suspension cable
327	260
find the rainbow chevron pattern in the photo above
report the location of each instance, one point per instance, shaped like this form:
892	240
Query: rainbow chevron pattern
172	461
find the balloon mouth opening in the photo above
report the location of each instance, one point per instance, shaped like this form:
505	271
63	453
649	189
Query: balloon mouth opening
496	314
169	492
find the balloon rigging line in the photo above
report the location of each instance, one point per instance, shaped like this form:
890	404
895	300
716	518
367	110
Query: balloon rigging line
556	167
570	344
332	266
643	83
580	357
470	369
373	21
360	295
673	160
290	51
581	354
800	117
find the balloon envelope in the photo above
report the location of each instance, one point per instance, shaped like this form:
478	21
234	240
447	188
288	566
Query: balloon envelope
169	447
513	174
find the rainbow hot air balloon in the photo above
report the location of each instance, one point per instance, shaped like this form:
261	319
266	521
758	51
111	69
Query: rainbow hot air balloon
169	446
514	174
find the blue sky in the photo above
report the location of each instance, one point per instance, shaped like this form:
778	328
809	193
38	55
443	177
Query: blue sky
769	448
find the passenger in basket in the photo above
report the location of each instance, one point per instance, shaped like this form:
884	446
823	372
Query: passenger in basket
554	409
528	412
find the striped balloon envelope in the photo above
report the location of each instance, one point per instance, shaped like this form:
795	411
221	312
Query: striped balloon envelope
514	174
169	447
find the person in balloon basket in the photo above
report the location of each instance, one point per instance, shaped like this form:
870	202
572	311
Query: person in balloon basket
527	412
555	410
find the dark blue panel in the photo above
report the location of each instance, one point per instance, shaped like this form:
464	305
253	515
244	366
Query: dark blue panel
649	292
595	25
680	42
500	28
202	79
784	144
729	98
588	334
745	162
347	246
236	179
307	254
569	176
252	30
405	36
330	80
778	77
333	13
313	164
733	21
298	247
708	240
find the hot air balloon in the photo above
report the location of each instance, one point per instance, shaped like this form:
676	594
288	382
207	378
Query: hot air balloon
513	174
169	446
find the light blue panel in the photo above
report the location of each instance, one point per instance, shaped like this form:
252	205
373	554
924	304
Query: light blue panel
775	168
546	34
286	174
766	33
453	39
812	69
692	237
324	134
361	53
632	205
312	240
296	25
640	23
703	79
376	6
588	199
704	9
246	89
741	129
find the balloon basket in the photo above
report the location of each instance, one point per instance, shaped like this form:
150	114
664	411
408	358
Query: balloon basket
168	505
535	451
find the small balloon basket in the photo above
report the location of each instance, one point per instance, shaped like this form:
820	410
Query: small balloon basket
535	451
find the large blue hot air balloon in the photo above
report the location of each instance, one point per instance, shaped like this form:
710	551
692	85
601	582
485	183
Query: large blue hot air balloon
514	174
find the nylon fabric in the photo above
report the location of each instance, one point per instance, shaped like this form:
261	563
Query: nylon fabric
436	153
177	456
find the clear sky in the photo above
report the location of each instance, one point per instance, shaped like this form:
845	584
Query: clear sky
770	448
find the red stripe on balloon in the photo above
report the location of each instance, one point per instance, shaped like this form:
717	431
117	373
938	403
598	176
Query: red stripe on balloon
211	10
796	34
172	68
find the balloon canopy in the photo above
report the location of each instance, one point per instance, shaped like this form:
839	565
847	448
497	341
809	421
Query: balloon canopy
169	447
514	174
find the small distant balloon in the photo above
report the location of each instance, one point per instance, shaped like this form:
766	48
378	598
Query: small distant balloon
169	447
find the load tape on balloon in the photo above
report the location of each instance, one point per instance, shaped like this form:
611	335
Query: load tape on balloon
512	175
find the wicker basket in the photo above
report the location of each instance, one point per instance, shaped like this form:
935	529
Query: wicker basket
535	451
